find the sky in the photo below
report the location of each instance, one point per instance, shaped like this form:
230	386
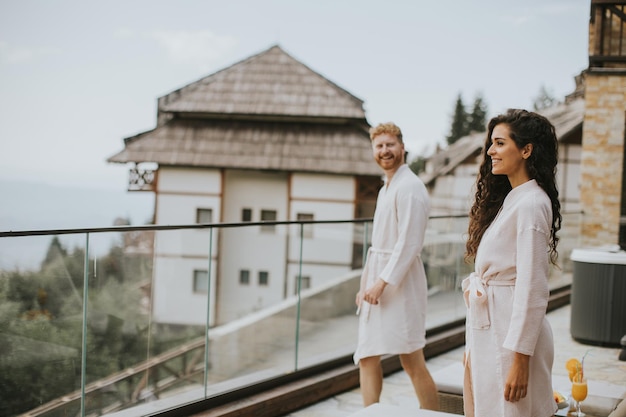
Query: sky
78	76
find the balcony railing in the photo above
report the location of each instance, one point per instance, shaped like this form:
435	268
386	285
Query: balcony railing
100	320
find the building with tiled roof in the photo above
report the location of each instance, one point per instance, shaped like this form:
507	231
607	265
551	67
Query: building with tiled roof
264	139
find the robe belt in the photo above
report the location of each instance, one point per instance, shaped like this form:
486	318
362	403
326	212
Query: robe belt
366	307
366	267
475	296
376	250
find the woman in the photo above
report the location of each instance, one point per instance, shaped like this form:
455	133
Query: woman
512	239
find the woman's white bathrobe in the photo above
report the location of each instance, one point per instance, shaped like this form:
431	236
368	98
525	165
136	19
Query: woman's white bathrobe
397	323
511	273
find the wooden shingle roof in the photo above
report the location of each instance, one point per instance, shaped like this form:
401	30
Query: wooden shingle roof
336	149
271	83
267	112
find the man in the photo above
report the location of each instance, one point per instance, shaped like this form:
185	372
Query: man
392	298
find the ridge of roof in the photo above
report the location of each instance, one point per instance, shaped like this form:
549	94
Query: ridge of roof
455	154
271	82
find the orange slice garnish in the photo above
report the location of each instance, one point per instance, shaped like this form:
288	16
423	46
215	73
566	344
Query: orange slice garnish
573	365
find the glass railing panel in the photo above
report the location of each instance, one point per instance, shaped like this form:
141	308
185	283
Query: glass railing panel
328	279
445	266
181	301
120	339
252	333
147	309
41	321
152	293
328	314
570	239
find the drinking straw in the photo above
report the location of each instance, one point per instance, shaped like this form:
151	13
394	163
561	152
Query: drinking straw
582	363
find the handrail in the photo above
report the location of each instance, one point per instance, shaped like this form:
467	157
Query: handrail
154	227
158	227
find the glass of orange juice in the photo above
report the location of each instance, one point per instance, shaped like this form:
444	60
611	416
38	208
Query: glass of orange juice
579	391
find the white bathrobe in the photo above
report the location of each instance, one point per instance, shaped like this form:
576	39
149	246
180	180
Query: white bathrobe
397	323
511	273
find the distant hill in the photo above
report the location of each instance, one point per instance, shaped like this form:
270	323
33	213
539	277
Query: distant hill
40	206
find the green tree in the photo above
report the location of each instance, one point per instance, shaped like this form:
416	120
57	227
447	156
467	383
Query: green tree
544	99
41	324
418	165
39	355
55	251
458	128
477	119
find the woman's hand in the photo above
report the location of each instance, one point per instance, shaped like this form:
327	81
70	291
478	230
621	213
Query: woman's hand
373	293
516	386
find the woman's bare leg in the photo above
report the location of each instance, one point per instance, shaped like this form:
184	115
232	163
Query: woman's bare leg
371	378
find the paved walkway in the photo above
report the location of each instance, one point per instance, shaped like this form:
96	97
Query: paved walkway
601	364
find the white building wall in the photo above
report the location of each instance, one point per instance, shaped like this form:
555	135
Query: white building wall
251	248
189	180
174	299
178	253
326	248
453	193
322	187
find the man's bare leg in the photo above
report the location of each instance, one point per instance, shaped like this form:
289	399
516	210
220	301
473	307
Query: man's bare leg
414	365
371	378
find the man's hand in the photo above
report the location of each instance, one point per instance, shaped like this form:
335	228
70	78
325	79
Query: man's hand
373	293
516	386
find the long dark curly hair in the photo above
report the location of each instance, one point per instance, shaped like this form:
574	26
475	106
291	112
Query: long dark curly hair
525	127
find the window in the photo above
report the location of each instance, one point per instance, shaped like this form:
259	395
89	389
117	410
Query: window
264	277
307	229
200	281
204	215
268	215
305	283
244	277
246	215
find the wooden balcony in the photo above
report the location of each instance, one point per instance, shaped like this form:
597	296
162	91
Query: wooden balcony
607	35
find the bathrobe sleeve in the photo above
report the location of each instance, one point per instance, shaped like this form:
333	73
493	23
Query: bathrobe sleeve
411	205
531	295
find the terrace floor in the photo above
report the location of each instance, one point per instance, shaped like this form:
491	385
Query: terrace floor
601	364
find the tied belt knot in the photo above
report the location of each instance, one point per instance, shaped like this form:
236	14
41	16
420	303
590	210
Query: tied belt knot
475	295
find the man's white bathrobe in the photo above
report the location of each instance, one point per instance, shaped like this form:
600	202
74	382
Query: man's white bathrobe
507	296
397	323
